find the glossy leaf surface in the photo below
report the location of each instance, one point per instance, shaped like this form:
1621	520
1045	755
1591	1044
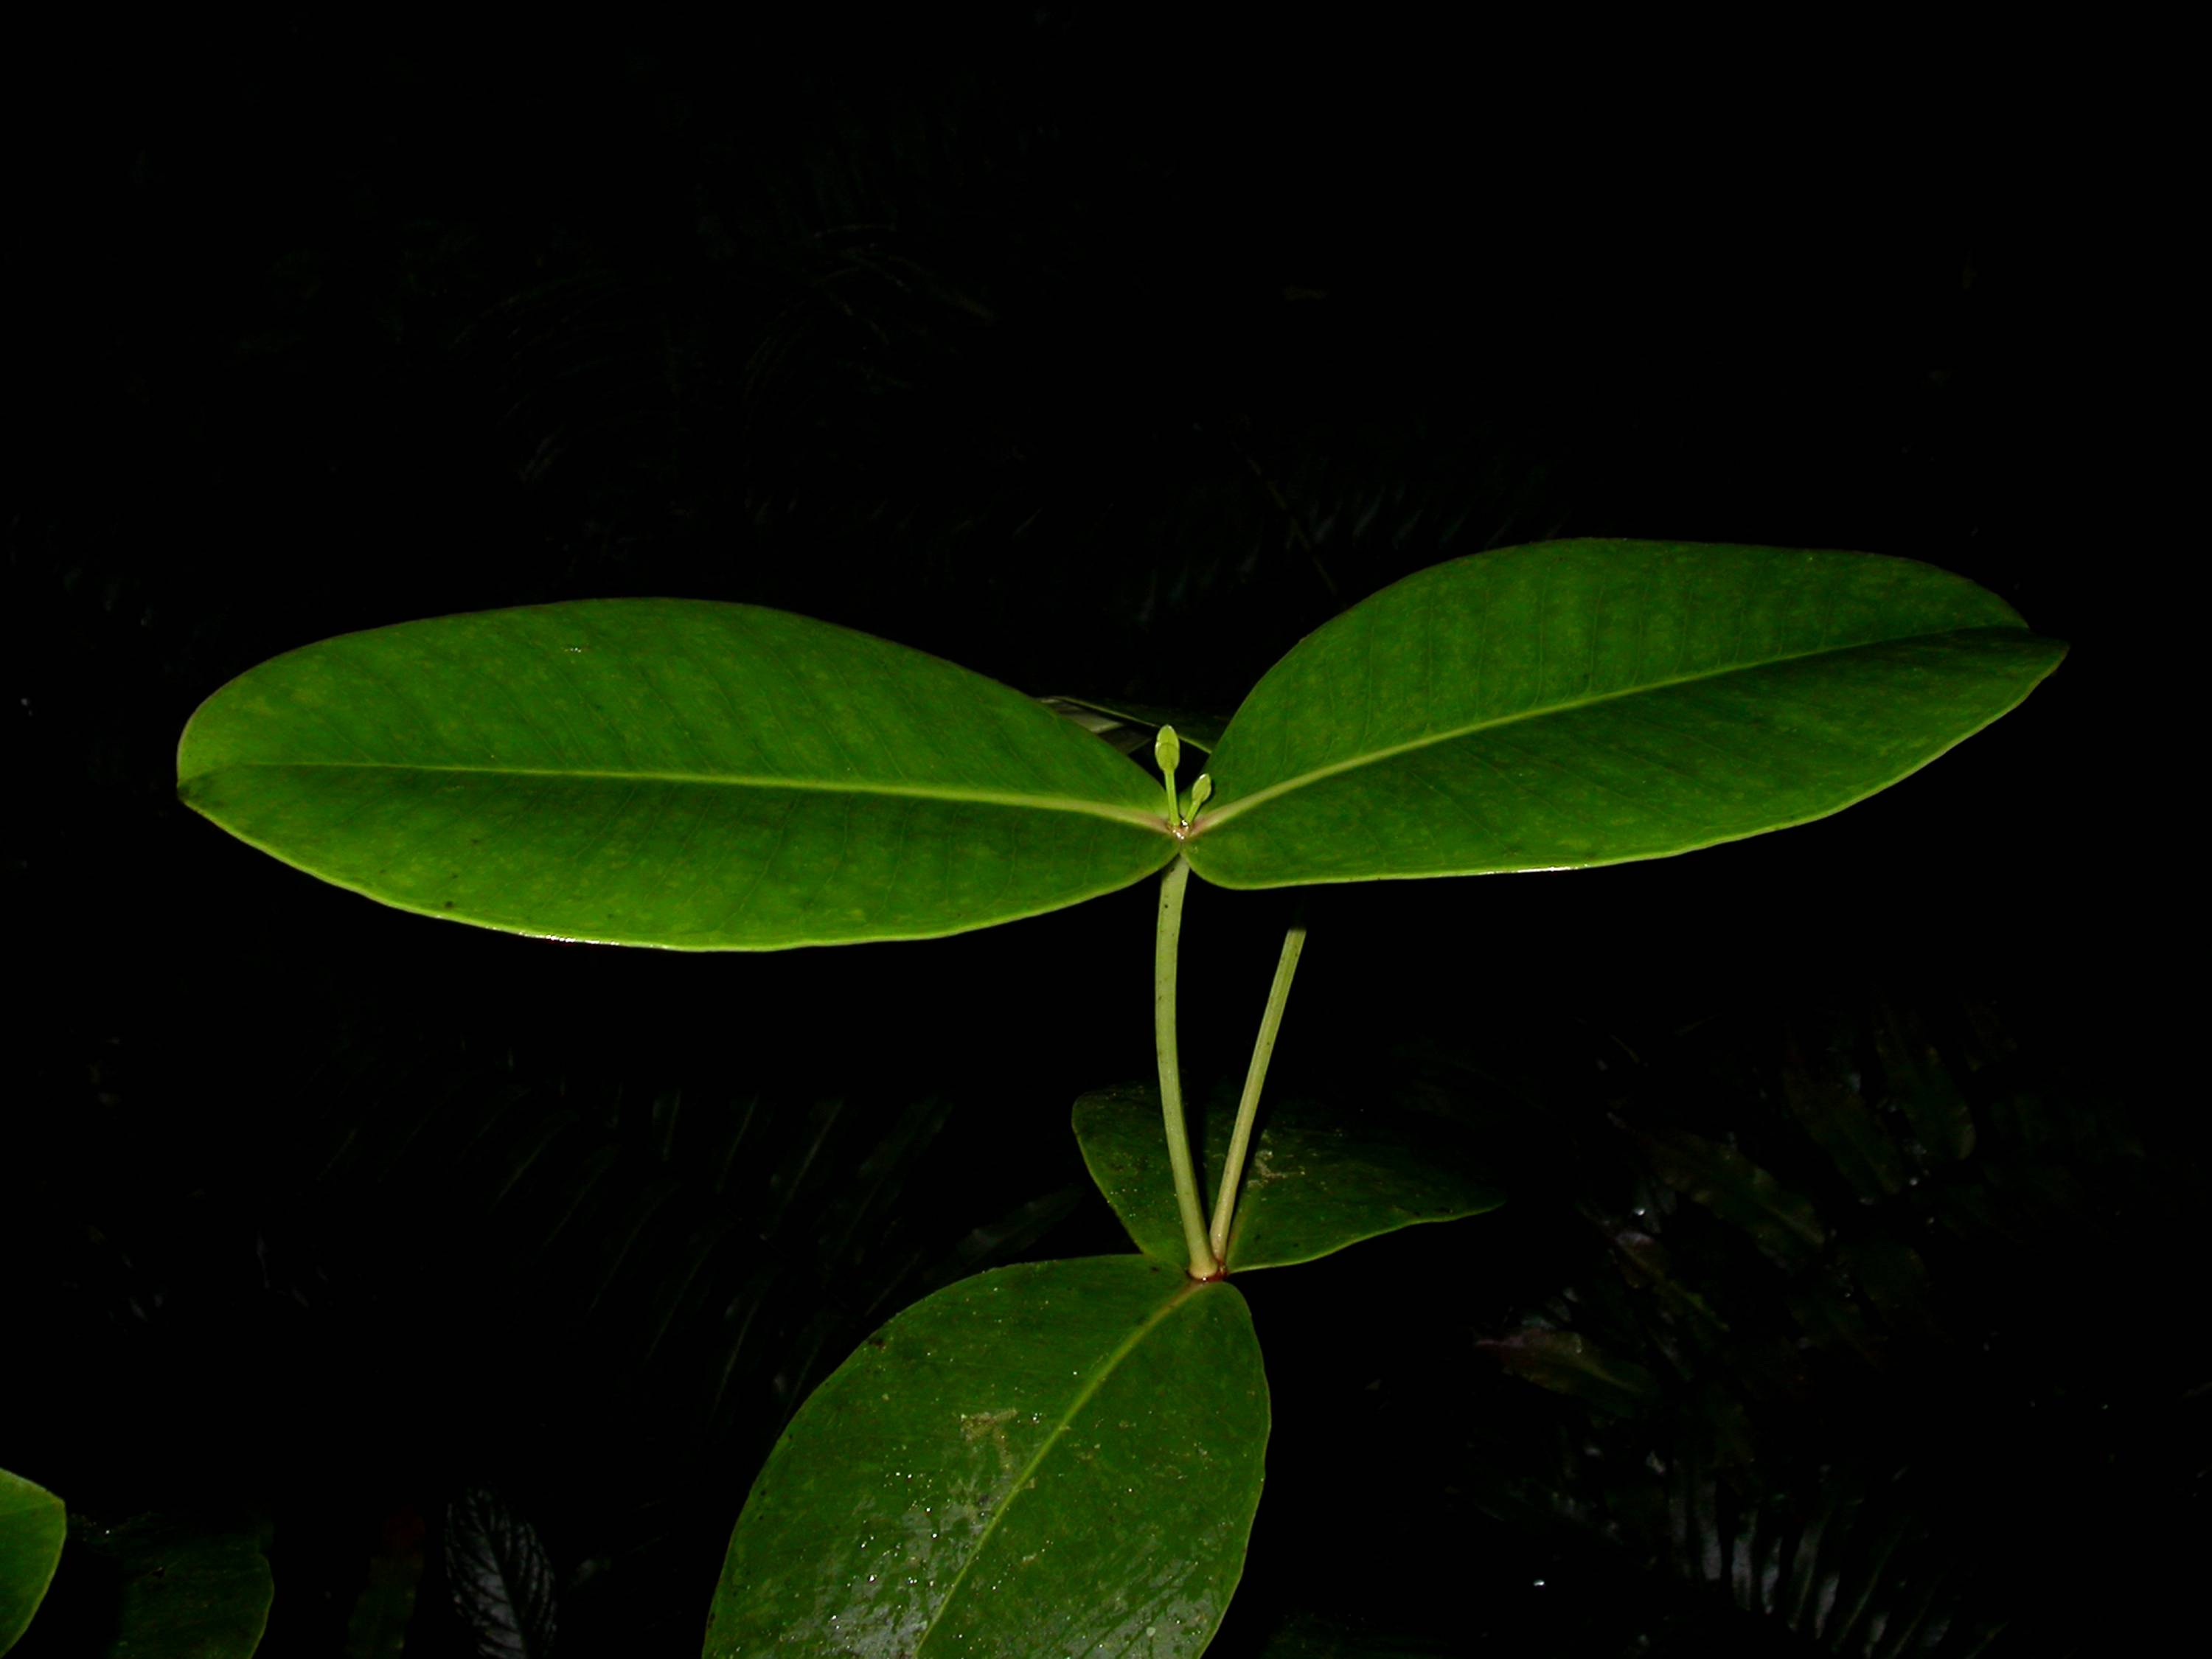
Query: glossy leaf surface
33	1524
1319	1177
668	772
187	1592
1586	703
1057	1457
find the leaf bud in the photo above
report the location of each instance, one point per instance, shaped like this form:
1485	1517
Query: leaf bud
1167	750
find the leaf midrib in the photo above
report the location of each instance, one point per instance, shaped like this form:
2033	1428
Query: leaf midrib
1091	1384
1242	803
1135	815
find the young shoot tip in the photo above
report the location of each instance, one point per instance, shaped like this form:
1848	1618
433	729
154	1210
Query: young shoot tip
1167	750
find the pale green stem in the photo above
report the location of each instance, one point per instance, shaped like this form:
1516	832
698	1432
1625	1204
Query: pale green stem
1240	1141
1203	1265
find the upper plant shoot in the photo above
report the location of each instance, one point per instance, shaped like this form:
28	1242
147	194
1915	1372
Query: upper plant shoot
709	777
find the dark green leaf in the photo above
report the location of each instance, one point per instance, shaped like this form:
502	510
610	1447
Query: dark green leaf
1568	1362
1835	1117
188	1592
1733	1188
1587	702
33	1524
1319	1176
1058	1457
1922	1087
668	772
1645	1263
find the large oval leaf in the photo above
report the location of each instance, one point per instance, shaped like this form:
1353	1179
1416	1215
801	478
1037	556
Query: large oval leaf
1586	703
1059	1457
1318	1178
33	1524
668	772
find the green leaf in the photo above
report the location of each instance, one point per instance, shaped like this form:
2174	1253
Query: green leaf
668	772
33	1524
1922	1087
1586	703
1568	1362
1786	1226
1057	1457
188	1592
1845	1129
1319	1177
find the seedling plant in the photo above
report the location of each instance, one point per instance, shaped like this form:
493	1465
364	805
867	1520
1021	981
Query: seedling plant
1064	1457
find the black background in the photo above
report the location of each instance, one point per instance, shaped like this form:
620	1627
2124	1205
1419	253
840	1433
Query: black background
1099	358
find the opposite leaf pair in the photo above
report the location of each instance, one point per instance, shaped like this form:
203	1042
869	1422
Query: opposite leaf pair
1065	1456
713	776
1062	1456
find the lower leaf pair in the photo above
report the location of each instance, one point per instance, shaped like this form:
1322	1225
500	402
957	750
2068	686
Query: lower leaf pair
1056	1457
1060	1456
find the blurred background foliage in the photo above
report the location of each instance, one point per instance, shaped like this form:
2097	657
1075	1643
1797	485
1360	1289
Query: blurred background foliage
1841	1304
